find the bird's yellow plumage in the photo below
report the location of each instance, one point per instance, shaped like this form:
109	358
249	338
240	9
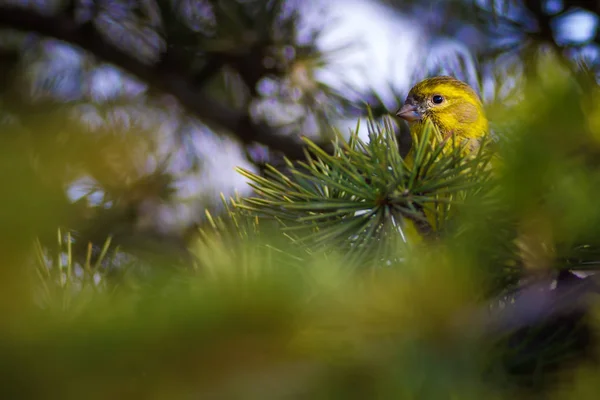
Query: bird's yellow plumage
452	107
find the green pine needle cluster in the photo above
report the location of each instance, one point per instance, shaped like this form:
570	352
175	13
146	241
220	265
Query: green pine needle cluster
365	192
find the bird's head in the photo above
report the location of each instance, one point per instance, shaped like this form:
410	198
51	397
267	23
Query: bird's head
452	105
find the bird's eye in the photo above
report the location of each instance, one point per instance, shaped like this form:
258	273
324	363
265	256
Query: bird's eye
437	99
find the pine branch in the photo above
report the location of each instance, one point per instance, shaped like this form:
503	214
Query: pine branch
162	76
361	196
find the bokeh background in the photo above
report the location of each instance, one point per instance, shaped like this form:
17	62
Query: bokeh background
122	124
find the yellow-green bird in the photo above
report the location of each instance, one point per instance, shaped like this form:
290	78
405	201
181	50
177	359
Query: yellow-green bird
450	105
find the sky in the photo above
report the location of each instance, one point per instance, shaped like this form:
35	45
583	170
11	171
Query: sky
384	40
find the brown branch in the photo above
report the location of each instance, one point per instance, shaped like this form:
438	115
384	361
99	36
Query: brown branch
167	80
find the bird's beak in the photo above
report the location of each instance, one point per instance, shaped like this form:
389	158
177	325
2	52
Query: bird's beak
409	112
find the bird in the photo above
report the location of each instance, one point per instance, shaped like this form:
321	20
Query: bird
451	105
456	112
